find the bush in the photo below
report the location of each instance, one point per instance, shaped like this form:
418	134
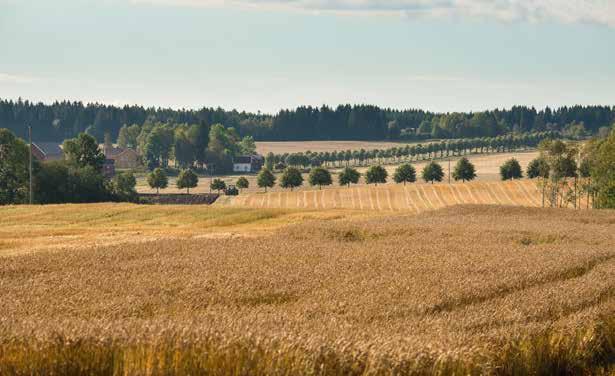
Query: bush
218	185
243	183
511	169
376	174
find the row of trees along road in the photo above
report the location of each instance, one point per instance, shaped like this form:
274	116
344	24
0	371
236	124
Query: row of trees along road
405	173
409	153
62	120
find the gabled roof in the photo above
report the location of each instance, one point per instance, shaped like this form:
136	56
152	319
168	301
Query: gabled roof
48	148
242	159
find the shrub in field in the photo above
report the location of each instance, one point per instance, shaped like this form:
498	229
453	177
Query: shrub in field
405	174
291	178
511	169
124	186
538	168
242	183
320	176
375	175
218	185
265	179
432	172
187	179
464	170
157	179
349	176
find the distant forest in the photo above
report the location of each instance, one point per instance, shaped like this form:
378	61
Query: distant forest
62	120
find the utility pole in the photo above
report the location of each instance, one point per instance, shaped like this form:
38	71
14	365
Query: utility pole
30	167
449	170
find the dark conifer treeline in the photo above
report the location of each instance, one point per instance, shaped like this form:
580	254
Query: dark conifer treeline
62	120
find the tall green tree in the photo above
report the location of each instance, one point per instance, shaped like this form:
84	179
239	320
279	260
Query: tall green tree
158	179
183	149
405	173
464	170
83	151
375	175
128	135
291	178
320	176
14	159
349	176
218	185
603	171
187	179
247	146
511	169
198	134
432	172
265	179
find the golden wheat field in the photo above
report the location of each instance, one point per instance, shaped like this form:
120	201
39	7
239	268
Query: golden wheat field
471	289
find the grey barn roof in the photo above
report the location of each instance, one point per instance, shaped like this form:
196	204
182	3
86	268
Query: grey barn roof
49	148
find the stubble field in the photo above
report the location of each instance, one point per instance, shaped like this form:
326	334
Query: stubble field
463	290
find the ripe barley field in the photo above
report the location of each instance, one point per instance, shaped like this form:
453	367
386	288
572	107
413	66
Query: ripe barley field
471	289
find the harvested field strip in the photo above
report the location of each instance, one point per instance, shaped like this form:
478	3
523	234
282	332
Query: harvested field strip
390	197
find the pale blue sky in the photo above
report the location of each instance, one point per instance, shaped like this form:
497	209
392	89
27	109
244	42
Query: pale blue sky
441	55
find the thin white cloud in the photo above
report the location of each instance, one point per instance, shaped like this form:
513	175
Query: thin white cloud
567	11
16	79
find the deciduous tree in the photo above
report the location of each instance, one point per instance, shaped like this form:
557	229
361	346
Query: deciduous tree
432	172
464	170
187	179
405	173
320	176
